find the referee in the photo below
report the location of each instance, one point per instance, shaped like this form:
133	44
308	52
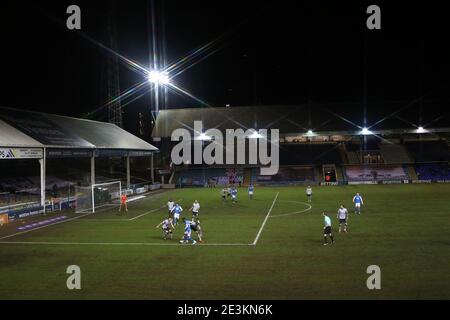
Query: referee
327	229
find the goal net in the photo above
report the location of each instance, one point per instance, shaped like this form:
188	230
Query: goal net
96	196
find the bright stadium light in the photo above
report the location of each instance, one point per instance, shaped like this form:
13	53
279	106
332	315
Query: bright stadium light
310	132
421	130
158	77
202	136
255	135
365	131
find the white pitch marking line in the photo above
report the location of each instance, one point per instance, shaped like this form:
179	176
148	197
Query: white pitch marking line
121	243
48	225
136	198
145	213
153	210
265	220
295	212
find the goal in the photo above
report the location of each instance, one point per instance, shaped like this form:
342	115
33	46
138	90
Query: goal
96	196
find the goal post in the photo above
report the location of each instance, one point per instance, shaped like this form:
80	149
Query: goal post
96	196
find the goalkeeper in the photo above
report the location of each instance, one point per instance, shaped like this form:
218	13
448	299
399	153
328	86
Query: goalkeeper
123	202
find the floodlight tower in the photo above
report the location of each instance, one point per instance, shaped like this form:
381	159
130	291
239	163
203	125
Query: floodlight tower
110	73
157	48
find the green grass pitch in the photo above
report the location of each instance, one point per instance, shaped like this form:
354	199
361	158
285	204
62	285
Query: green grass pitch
404	229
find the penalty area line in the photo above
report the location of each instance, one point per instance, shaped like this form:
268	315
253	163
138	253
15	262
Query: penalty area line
153	210
265	220
120	243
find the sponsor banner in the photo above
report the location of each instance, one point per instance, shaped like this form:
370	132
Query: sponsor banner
391	182
329	183
140	153
21	153
32	209
68	153
141	190
128	192
28	212
111	153
443	181
362	182
421	181
41	223
155	186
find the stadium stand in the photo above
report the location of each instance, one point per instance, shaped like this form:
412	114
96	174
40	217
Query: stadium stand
428	151
395	153
353	157
309	154
210	177
375	173
286	175
304	154
433	171
31	144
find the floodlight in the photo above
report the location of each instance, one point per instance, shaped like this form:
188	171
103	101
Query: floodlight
204	137
158	77
310	132
255	135
365	131
421	130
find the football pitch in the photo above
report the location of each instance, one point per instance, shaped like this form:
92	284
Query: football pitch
270	247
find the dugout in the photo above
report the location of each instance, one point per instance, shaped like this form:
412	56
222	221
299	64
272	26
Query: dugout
39	137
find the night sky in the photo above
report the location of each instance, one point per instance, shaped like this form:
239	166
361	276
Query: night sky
267	52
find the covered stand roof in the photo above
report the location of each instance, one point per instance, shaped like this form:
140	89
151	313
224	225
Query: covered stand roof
11	137
19	128
102	135
294	119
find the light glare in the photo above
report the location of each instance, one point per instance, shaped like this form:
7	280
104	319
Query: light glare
255	135
158	77
202	136
421	130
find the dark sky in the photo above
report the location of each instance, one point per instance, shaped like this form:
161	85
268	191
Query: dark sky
268	52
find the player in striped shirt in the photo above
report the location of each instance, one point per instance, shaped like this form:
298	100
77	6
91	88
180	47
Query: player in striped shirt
327	229
309	193
167	227
170	205
342	215
195	210
197	228
358	201
224	194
